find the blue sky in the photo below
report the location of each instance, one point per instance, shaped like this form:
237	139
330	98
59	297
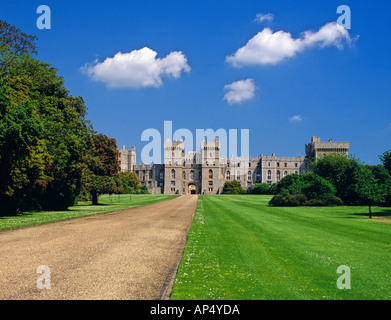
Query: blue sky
338	90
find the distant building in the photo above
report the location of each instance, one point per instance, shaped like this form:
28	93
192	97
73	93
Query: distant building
206	172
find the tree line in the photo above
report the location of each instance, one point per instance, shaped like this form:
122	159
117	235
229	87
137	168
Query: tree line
50	155
334	179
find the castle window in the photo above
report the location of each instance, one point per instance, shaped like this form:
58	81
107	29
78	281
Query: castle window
249	176
238	175
191	175
258	176
269	174
228	175
173	183
286	164
172	174
211	183
278	175
296	165
210	174
278	164
285	173
184	175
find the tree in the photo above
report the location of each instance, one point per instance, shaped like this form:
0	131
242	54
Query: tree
130	181
339	170
232	187
44	133
23	152
382	176
386	160
368	189
104	167
291	184
315	187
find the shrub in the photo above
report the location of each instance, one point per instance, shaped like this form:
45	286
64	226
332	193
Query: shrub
288	200
259	188
325	201
232	187
330	200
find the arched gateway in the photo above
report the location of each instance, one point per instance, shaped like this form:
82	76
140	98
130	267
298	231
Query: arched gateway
192	188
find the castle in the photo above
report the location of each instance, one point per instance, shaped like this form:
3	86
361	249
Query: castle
206	172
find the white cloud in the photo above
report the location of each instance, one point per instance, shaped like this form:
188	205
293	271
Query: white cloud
137	69
269	48
296	118
261	17
239	91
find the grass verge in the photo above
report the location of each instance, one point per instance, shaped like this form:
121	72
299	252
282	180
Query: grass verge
240	248
106	204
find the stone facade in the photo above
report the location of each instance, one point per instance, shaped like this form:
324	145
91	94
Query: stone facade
206	172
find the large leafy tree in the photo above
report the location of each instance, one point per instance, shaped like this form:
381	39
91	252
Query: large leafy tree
104	167
23	152
339	170
44	133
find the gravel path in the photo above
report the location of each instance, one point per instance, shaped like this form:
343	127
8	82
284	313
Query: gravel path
130	254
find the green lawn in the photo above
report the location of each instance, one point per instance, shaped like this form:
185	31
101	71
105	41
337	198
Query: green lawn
240	248
107	204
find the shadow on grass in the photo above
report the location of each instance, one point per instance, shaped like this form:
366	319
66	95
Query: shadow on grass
7	215
365	214
383	213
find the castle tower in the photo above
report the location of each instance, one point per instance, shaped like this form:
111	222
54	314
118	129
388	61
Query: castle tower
317	149
127	159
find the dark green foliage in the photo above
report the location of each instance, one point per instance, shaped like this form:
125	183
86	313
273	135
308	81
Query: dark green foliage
386	160
368	189
102	176
259	188
297	200
324	201
309	184
44	135
340	171
288	200
232	187
387	199
355	183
